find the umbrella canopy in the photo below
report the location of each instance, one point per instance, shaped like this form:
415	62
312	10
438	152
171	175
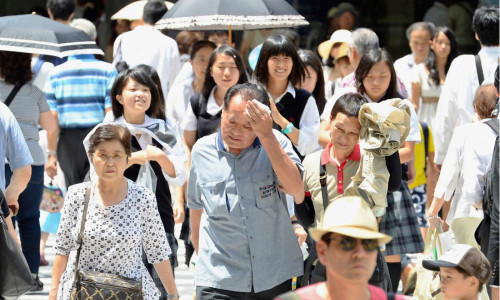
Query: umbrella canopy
40	35
133	11
235	14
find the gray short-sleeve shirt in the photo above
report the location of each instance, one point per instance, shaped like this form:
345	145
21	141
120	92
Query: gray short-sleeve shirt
27	105
246	238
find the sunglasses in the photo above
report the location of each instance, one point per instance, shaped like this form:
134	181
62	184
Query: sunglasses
348	243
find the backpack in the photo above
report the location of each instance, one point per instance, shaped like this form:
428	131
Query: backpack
492	176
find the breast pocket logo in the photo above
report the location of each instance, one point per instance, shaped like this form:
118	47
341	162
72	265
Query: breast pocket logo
267	190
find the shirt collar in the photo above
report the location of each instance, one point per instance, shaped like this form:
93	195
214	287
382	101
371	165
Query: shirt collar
289	89
81	56
325	155
220	144
490	51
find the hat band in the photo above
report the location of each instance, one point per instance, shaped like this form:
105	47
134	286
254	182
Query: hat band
354	226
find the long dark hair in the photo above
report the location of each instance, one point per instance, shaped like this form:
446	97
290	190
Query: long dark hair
312	60
209	80
156	109
276	45
430	61
367	61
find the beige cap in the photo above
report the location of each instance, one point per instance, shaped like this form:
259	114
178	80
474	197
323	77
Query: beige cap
350	216
339	36
470	259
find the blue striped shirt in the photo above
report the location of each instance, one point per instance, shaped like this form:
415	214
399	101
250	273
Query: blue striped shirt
79	91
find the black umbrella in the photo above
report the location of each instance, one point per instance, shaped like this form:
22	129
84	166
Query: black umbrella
40	35
230	14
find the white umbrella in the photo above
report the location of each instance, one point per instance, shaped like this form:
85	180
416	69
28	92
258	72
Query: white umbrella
133	11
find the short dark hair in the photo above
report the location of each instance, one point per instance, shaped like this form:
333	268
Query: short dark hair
15	67
226	50
310	59
139	75
185	40
485	24
61	9
276	45
151	73
348	104
209	33
427	26
110	132
153	11
248	91
485	101
200	45
367	61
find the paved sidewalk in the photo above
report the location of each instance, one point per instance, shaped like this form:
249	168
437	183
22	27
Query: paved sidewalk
183	276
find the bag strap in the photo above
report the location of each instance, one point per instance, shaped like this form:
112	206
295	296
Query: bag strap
322	182
391	296
479	69
82	227
12	94
425	129
494	124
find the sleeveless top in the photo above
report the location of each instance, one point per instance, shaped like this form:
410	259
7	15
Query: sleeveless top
207	124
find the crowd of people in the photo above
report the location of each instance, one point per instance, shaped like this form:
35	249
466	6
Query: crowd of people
321	169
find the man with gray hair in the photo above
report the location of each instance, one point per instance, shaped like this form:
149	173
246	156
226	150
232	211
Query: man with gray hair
85	26
77	92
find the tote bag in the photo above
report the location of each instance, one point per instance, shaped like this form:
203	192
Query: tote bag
428	282
15	275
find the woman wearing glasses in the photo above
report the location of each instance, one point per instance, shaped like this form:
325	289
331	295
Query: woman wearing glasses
121	222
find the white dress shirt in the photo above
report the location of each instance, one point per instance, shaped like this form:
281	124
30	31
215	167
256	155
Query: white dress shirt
190	121
464	169
455	104
309	123
404	67
179	94
146	45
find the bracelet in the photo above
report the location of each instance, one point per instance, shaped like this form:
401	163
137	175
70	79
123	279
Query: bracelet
176	296
289	128
295	222
432	217
51	152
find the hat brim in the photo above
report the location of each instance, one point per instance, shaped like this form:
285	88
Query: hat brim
356	232
434	265
325	48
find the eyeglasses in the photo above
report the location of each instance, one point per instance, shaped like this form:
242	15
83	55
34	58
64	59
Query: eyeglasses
105	157
347	243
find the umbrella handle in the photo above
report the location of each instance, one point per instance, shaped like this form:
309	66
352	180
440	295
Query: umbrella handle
230	36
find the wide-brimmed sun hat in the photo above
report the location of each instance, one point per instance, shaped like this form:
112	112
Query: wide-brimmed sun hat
339	36
350	216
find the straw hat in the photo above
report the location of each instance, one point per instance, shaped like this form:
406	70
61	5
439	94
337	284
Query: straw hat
350	216
339	36
343	51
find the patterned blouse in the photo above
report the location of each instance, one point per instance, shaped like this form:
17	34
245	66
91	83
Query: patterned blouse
114	237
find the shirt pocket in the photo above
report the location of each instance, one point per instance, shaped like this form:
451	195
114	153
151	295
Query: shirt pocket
266	190
214	192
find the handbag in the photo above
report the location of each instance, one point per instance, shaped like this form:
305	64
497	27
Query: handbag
52	199
94	285
15	275
428	284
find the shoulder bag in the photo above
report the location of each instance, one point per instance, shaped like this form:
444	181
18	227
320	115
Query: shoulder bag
15	275
94	285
